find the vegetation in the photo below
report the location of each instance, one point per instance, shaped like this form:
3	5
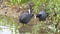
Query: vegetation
41	27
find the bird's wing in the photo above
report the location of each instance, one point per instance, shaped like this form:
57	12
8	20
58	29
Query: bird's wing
23	16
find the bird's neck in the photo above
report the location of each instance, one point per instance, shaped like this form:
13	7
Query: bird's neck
29	11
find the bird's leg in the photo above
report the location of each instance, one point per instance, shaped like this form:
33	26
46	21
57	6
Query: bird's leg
23	25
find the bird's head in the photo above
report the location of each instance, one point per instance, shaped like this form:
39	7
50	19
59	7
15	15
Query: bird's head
38	15
29	8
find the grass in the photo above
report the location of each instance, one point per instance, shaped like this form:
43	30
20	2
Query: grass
41	25
16	2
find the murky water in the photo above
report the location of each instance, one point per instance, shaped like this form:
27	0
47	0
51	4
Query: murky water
7	30
8	26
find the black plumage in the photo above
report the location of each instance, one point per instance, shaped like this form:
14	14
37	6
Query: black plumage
26	17
41	15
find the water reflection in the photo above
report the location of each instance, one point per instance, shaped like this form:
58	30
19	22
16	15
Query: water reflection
5	30
8	25
8	30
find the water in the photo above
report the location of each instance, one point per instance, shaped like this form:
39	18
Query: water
8	25
8	30
5	30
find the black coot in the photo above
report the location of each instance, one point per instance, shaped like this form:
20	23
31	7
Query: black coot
26	17
41	15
